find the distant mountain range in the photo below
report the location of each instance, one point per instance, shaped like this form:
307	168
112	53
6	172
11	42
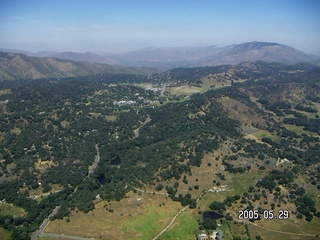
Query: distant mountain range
17	64
166	58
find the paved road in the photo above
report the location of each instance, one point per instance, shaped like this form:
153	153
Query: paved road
45	224
54	212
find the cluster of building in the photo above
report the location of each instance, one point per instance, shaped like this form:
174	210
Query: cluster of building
214	235
222	188
154	89
123	103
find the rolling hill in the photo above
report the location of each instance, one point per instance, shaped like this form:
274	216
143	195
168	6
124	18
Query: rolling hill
20	66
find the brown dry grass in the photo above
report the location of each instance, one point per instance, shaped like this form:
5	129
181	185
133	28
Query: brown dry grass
139	216
184	90
284	229
111	118
42	165
241	112
16	130
202	176
5	91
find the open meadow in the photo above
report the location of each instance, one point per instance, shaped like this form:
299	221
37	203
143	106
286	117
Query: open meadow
139	216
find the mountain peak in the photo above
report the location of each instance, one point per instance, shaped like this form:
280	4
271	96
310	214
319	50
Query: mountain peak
255	45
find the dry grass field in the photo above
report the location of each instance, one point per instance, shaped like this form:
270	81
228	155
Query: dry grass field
111	118
184	90
285	229
241	112
140	216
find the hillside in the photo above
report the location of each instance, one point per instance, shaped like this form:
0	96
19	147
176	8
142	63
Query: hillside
121	156
212	55
20	66
85	57
257	51
172	57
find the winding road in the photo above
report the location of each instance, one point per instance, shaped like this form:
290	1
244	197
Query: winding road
136	131
169	225
177	215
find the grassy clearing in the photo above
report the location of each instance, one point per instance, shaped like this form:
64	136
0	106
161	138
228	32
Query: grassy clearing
281	225
278	229
139	216
147	225
144	85
215	81
236	184
312	227
183	228
266	134
208	84
316	105
206	200
311	189
5	91
10	209
184	90
202	176
5	234
111	118
297	129
242	182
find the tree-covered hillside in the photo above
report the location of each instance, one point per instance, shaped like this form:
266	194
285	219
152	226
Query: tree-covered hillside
71	140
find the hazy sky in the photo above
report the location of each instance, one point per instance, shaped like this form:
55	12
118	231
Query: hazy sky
123	25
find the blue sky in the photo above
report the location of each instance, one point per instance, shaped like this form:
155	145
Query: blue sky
123	25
